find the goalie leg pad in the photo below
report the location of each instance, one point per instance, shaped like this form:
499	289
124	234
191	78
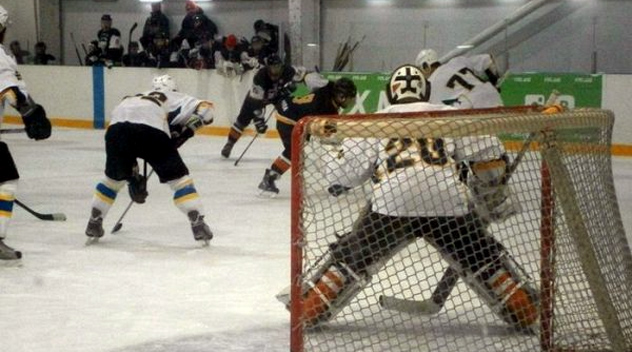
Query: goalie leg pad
330	293
507	291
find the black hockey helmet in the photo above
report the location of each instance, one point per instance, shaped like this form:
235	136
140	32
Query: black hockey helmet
275	66
273	60
345	87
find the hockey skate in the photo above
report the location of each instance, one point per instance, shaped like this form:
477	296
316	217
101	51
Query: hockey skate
94	231
201	231
8	254
267	185
228	147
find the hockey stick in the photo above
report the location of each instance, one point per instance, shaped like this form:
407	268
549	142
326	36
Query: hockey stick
131	30
74	43
450	277
42	216
12	130
119	222
253	139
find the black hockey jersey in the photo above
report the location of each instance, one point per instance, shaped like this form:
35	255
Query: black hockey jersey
266	89
319	102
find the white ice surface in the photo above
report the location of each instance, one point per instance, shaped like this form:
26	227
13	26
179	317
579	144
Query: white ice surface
151	287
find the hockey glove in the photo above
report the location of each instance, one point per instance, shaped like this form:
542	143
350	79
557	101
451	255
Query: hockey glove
137	186
36	123
260	125
180	137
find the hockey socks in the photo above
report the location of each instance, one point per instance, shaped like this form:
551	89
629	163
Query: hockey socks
233	136
280	165
7	198
105	195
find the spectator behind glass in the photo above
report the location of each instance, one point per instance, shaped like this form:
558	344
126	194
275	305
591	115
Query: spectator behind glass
95	55
159	52
21	56
269	33
228	58
256	54
195	25
202	55
109	39
157	22
41	56
135	57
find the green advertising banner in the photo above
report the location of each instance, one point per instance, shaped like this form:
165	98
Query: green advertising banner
575	90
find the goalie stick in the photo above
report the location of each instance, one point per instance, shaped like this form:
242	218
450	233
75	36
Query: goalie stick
42	216
450	277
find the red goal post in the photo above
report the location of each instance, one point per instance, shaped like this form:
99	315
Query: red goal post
569	238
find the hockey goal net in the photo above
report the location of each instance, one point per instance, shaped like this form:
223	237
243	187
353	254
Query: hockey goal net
565	247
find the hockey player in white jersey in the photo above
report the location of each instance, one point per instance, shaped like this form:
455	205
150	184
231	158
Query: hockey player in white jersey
13	91
462	82
151	126
444	190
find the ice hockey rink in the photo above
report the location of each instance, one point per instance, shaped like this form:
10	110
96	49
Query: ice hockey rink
151	287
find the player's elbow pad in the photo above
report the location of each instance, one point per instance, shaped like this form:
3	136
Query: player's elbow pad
205	111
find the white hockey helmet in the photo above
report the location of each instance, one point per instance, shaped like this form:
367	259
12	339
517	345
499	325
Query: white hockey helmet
164	83
426	58
4	18
407	84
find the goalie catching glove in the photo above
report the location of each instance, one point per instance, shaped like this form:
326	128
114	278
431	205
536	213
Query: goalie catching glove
487	181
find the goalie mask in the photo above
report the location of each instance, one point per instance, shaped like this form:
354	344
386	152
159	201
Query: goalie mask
425	59
407	85
164	83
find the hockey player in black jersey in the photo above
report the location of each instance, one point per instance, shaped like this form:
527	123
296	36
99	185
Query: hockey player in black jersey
327	100
270	84
13	91
138	129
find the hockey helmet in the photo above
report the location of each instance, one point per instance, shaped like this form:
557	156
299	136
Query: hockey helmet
273	59
4	18
275	66
164	83
426	58
345	87
407	84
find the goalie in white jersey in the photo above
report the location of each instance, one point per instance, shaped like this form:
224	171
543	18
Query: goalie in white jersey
151	126
462	82
444	190
13	91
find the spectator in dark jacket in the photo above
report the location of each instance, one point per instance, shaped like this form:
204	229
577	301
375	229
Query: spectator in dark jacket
195	25
156	23
134	57
41	56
